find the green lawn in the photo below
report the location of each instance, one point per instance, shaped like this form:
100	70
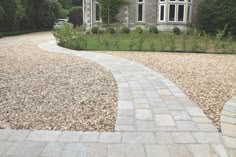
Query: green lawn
151	42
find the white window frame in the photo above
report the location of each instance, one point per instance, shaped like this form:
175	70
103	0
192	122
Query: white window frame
143	13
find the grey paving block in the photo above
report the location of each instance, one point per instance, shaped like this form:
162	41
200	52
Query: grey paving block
201	120
207	127
89	137
152	94
124	128
69	136
155	150
125	150
155	100
200	150
142	106
143	114
230	108
53	149
110	137
195	111
123	112
4	146
98	150
138	138
161	110
183	137
164	120
75	150
125	105
43	135
26	148
164	138
186	126
145	126
125	120
207	137
5	133
179	151
180	115
19	135
141	101
166	129
228	119
220	150
229	142
175	107
232	152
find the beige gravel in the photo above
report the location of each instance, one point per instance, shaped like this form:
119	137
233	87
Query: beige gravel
46	91
208	79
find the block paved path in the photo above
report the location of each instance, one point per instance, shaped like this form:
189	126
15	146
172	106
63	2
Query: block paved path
154	119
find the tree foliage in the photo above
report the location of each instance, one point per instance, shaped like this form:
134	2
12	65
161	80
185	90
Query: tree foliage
213	15
31	14
110	8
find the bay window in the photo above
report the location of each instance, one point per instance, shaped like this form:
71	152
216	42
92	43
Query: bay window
175	10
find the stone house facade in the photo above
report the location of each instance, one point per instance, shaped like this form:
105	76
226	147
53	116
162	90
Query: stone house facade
163	14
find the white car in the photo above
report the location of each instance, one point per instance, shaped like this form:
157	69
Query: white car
59	22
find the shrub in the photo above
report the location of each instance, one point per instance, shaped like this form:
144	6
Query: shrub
1	35
95	30
176	30
138	30
153	30
125	30
110	30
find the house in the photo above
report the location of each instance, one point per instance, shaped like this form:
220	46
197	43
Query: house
164	14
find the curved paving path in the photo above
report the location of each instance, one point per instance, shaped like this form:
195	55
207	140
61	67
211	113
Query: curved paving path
154	118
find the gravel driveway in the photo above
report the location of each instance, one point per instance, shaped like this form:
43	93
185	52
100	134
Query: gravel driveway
44	91
208	79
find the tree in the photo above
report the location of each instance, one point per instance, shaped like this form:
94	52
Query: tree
213	15
9	14
66	4
76	2
2	12
110	8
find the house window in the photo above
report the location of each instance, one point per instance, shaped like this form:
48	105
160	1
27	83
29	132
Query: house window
97	11
181	13
140	10
172	13
176	10
162	13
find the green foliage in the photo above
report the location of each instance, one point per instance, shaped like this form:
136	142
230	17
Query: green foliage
197	41
153	30
194	40
69	37
66	4
125	30
213	15
95	30
110	30
176	30
138	30
9	14
16	15
2	12
110	8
